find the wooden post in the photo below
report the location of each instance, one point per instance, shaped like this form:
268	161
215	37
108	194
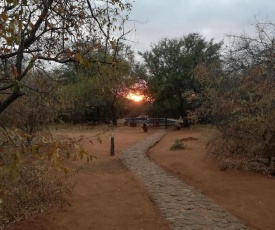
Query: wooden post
166	123
112	150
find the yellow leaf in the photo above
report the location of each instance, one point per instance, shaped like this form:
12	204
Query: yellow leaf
78	57
4	16
12	27
55	155
86	63
20	25
113	44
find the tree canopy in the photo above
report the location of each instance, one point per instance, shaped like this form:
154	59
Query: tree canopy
61	31
103	85
240	102
170	65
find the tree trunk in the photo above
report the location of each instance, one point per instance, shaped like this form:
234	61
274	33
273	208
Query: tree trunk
114	116
113	112
182	112
16	94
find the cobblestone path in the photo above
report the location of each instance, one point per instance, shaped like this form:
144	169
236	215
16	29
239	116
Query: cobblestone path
182	205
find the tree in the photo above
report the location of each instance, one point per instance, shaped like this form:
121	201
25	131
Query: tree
114	81
102	85
258	50
170	66
37	108
241	102
36	32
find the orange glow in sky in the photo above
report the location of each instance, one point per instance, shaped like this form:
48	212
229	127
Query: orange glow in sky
135	97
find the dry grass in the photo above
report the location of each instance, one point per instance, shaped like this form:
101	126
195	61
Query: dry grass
233	155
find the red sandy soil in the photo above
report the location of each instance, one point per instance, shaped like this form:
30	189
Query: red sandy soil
108	196
247	195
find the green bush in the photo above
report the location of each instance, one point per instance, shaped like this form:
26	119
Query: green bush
178	145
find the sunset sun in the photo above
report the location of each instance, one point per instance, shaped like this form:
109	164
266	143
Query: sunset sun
135	97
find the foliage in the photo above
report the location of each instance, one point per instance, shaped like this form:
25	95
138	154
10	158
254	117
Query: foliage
103	86
113	82
177	145
34	175
140	87
36	33
170	65
80	101
36	109
240	103
32	188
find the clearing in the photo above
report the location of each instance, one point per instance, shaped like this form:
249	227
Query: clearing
108	196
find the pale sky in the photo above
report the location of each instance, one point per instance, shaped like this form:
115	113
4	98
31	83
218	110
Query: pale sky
157	19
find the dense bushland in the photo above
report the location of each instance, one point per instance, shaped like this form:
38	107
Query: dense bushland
239	101
34	175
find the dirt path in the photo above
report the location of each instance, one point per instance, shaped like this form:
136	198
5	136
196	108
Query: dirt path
248	196
108	196
182	205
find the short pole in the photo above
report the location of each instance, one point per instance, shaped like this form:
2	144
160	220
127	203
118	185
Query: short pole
112	150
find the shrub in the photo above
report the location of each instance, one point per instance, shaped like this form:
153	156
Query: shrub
239	100
34	176
36	109
243	115
29	186
178	145
244	118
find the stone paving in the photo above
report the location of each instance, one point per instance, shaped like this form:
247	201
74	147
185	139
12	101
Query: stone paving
183	206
